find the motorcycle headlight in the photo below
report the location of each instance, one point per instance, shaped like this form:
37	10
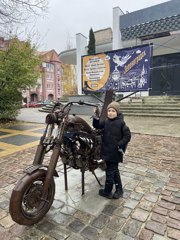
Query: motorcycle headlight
51	118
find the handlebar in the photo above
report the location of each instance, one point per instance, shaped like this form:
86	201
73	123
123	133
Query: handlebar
80	102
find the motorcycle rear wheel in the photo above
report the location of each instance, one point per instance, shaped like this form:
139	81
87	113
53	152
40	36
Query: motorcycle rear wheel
26	205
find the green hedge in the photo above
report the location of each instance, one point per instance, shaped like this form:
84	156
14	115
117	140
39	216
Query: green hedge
10	103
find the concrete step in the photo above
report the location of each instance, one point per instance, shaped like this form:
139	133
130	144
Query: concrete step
160	106
177	111
150	107
152	115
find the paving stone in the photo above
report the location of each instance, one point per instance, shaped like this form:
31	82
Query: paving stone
158	218
173	233
145	235
175	215
74	236
119	202
100	221
171	199
146	205
151	164
3	213
139	178
76	225
141	169
166	205
4	204
18	230
83	216
132	228
46	226
58	204
140	214
159	184
131	203
132	185
178	207
6	235
173	223
7	222
68	210
123	212
109	209
59	233
140	172
62	219
116	223
151	175
158	237
176	194
107	234
156	227
127	193
17	238
145	185
90	233
128	174
166	193
140	190
122	236
172	189
32	233
160	210
151	197
136	196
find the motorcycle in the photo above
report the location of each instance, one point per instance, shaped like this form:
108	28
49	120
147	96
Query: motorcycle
68	138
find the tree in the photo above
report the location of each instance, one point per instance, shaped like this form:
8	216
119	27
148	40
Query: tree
20	11
91	44
92	51
69	80
18	70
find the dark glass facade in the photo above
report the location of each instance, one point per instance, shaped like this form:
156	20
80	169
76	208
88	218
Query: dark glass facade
165	75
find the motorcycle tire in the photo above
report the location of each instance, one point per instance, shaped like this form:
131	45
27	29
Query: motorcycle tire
26	206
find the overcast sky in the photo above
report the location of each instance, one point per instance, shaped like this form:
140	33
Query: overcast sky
65	18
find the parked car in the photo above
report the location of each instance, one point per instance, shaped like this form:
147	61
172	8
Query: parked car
33	105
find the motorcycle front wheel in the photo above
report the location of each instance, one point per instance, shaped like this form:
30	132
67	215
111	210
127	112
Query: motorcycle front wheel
26	204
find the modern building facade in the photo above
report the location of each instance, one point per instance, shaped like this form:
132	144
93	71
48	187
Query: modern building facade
158	25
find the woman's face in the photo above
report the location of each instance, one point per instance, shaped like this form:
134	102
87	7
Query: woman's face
111	113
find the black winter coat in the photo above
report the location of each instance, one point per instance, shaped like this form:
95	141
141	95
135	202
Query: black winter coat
116	134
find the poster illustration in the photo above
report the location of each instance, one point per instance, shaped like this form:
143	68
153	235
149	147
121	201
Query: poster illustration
122	70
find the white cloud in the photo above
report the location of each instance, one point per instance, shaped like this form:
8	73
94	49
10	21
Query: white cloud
68	17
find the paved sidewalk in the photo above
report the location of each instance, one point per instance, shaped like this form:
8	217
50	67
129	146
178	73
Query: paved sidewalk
150	208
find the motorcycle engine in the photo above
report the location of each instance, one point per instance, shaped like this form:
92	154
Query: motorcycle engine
76	149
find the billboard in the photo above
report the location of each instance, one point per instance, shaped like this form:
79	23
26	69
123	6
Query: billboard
122	70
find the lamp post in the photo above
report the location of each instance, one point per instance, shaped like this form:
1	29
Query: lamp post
43	79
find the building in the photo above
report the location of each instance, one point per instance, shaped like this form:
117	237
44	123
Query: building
159	25
49	84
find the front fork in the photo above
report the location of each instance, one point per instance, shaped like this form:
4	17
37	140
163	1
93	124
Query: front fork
54	158
44	143
51	168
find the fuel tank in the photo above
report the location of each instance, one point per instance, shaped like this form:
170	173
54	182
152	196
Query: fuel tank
76	123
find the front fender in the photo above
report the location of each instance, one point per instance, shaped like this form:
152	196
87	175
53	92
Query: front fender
33	168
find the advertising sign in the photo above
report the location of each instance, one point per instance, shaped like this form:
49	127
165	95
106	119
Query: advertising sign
122	70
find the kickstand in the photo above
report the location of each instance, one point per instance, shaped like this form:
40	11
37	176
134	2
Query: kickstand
97	179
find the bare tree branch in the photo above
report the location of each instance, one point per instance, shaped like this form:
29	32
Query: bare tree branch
20	11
